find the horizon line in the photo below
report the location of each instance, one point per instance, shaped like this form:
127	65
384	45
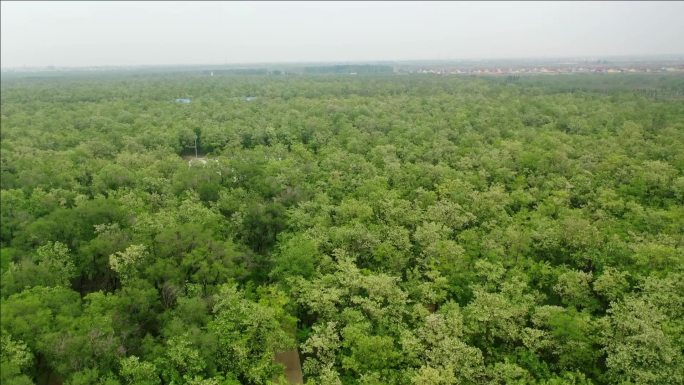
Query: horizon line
671	56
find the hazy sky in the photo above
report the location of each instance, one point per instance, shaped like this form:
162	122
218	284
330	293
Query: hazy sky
134	33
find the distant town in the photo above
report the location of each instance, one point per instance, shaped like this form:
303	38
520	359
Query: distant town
569	68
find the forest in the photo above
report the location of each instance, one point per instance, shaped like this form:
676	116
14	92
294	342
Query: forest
383	229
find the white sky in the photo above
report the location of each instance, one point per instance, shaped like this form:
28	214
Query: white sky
138	33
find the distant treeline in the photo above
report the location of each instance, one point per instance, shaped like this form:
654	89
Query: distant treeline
349	68
324	69
239	71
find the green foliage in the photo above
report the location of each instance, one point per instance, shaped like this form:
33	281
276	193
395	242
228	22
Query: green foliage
134	371
574	288
638	346
612	284
298	256
247	335
16	359
126	263
389	229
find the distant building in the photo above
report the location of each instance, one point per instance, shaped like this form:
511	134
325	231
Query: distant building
183	100
197	161
250	98
202	162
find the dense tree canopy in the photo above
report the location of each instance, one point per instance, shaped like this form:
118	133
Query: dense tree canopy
392	229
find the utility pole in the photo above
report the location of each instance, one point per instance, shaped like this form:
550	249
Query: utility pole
195	146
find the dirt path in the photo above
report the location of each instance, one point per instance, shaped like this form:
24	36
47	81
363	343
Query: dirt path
293	368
